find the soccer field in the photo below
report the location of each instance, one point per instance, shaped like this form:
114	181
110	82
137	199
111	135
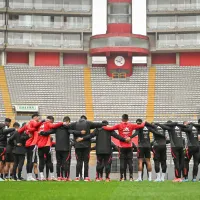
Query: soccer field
99	191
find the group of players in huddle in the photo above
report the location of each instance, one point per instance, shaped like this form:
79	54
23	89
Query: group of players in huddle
35	136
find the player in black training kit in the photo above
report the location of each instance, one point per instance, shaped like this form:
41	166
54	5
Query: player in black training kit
3	143
126	160
82	149
176	141
103	148
99	173
9	155
144	148
159	150
198	131
19	151
62	147
192	149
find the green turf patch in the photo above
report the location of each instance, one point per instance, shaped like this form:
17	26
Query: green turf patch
99	191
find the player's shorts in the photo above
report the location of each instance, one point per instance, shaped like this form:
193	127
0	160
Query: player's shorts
144	152
9	157
35	159
160	153
2	154
126	153
190	152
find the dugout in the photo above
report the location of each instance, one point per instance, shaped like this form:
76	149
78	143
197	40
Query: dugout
24	112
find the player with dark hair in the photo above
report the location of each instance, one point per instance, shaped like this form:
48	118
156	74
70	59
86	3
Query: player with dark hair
103	149
159	149
4	131
176	140
19	151
101	169
126	160
9	155
31	144
192	149
7	122
144	147
62	147
82	149
44	146
198	131
35	162
125	130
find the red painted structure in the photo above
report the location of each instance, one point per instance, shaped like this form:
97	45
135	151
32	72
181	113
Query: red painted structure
75	59
17	57
163	58
190	59
119	45
47	59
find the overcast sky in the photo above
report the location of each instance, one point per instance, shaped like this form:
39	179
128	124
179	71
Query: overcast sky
138	18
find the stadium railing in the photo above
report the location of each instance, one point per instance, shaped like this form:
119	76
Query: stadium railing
49	6
173	7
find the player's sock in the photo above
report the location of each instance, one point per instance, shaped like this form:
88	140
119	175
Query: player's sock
131	176
163	177
139	175
28	176
6	175
2	176
150	176
194	178
41	175
11	176
124	175
31	176
97	175
121	176
157	177
51	175
36	176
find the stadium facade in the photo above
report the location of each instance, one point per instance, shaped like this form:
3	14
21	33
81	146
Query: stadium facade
173	28
45	32
57	33
119	45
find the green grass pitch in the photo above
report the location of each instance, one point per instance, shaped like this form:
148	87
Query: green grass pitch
99	191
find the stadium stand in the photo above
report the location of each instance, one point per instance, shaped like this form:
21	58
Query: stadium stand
5	96
57	91
77	90
177	93
112	97
2	110
66	91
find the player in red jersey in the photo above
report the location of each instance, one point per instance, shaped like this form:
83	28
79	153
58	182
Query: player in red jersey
31	144
44	146
125	129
